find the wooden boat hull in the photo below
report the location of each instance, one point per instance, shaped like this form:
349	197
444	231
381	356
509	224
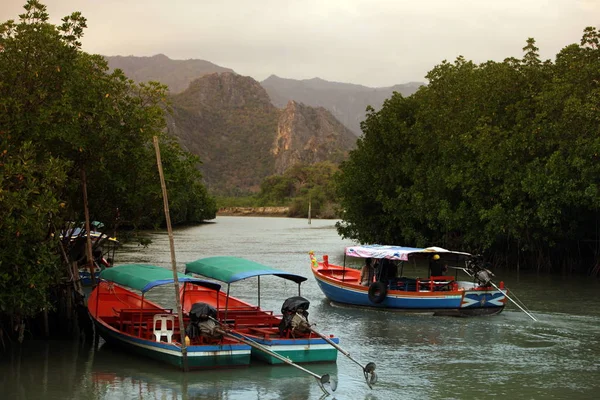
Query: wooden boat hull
136	340
261	326
299	350
342	287
198	357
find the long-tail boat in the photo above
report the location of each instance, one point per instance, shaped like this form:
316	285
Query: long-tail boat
126	318
422	280
289	334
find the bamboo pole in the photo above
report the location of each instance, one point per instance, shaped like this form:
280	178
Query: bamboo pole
173	262
309	207
88	247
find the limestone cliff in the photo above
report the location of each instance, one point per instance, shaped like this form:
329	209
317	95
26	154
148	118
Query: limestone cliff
346	101
228	120
309	135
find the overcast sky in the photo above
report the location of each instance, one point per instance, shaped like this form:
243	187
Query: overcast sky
369	42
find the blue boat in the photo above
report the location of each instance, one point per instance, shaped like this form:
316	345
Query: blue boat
440	292
103	250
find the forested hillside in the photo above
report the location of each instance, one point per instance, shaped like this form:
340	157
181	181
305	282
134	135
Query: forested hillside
228	120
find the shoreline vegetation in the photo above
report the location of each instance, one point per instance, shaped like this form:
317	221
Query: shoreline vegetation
254	211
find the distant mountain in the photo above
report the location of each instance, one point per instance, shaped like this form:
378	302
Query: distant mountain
241	137
347	102
177	74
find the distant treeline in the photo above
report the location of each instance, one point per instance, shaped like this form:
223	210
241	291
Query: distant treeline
298	188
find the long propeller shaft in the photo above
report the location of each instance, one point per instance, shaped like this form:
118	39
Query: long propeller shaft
368	370
514	302
230	333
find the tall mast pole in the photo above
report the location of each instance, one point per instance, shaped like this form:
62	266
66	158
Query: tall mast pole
172	245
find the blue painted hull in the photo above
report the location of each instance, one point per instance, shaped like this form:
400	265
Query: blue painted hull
451	302
85	278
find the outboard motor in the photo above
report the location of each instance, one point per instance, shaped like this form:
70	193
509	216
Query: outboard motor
482	275
295	317
201	324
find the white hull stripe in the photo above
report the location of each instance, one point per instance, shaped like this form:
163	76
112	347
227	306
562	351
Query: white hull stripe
284	348
396	295
191	352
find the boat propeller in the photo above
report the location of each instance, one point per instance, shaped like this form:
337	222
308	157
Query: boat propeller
368	370
370	374
477	269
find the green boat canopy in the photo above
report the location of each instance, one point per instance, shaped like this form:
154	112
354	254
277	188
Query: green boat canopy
144	277
232	269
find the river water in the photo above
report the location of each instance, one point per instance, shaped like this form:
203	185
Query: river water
417	356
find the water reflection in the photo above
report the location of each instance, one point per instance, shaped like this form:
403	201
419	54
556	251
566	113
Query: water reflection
112	370
46	369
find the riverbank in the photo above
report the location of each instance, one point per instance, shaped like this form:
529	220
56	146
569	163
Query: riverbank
254	211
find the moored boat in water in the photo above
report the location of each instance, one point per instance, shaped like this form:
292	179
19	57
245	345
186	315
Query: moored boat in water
288	335
441	292
103	247
125	318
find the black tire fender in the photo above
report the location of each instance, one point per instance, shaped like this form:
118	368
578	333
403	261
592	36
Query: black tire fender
377	292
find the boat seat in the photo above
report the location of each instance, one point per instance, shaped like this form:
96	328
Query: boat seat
161	328
266	332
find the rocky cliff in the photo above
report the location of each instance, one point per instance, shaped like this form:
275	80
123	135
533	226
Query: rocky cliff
309	135
241	137
347	102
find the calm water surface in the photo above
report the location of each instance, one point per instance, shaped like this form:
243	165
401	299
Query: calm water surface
417	356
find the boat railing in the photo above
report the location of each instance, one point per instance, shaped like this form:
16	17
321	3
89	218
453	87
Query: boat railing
254	320
240	308
349	275
265	332
431	284
240	312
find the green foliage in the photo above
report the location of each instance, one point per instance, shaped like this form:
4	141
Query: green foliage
80	119
300	186
499	157
28	206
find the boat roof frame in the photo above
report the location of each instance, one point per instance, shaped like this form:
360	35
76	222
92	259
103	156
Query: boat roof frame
229	269
399	253
144	277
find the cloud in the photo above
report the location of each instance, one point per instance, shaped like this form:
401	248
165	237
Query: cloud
375	42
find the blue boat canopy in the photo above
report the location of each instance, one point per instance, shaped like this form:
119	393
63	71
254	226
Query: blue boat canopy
144	277
396	252
232	269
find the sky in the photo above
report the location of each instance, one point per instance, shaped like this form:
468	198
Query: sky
374	43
